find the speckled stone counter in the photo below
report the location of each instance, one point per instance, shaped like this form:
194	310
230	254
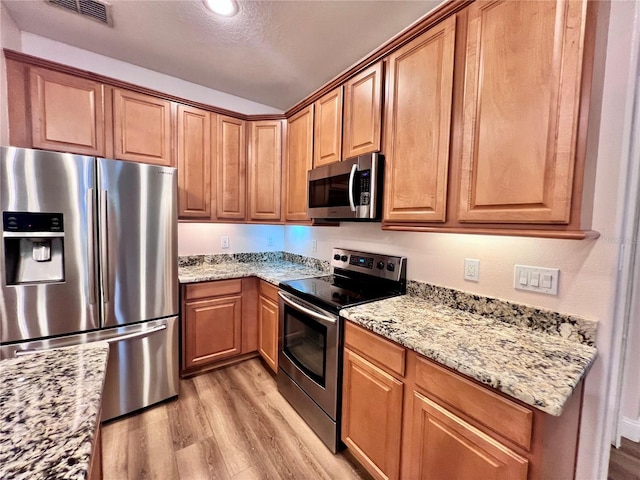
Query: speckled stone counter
273	270
537	368
49	407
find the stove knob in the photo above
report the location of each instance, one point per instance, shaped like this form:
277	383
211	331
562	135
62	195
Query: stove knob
336	256
343	297
391	267
335	295
380	265
344	258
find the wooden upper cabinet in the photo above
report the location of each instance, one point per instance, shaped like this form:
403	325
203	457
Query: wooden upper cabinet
420	86
265	170
67	113
522	93
327	129
231	163
194	163
143	128
445	446
298	161
363	112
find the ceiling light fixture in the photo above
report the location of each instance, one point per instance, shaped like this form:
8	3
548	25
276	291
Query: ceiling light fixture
226	8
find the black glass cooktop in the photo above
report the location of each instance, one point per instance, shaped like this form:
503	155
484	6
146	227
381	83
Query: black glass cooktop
334	292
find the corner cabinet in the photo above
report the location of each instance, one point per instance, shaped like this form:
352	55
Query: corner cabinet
523	67
67	113
143	128
327	129
265	170
299	159
268	311
418	123
362	121
231	164
194	163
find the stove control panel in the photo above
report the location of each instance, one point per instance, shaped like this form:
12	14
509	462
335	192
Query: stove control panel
373	264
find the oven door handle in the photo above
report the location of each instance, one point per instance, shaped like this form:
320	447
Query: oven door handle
352	176
297	306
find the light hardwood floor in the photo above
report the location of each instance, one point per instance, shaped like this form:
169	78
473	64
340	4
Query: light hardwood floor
228	424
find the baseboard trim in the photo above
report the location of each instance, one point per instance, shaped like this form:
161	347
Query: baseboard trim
630	428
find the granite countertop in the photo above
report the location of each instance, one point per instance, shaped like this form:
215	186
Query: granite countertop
537	368
272	271
49	407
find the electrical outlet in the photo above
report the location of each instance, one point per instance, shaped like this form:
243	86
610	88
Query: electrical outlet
536	279
269	241
314	245
224	241
472	269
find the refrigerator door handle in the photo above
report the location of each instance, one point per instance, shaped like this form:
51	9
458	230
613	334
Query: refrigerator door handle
121	338
91	252
104	245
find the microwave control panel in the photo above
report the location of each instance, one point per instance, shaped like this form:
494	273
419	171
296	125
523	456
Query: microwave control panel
365	187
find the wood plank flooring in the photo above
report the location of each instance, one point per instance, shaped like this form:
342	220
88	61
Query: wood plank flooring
624	463
229	424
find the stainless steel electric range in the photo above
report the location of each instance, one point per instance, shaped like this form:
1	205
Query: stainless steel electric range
310	342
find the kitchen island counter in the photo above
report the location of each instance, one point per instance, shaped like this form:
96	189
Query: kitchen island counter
540	369
49	412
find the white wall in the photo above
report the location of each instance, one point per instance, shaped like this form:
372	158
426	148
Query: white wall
204	238
588	267
86	60
9	38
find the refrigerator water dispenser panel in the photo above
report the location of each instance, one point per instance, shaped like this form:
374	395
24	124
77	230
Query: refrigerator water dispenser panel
33	247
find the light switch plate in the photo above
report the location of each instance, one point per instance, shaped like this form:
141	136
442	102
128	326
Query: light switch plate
538	279
472	269
314	245
224	241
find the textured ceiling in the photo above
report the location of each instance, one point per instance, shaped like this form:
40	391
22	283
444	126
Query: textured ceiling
271	52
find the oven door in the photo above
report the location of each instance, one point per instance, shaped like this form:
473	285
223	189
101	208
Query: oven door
309	349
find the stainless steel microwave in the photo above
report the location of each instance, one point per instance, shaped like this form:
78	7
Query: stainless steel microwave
348	190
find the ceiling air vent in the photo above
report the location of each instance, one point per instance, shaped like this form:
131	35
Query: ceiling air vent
93	9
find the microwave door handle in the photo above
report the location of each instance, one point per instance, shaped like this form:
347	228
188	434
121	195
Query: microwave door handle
352	176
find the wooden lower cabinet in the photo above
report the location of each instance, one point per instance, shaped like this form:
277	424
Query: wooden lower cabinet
213	329
372	416
219	324
445	446
268	324
405	416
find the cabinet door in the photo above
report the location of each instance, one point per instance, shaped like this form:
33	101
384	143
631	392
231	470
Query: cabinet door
268	331
363	112
522	89
372	416
142	128
231	166
194	162
327	130
418	127
67	113
299	158
265	172
445	446
212	330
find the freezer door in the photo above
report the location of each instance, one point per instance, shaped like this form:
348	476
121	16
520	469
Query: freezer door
49	284
138	241
142	368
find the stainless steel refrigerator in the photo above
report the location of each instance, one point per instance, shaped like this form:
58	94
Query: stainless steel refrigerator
89	253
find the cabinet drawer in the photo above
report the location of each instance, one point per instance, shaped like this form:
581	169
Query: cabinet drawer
507	418
213	289
268	290
385	354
